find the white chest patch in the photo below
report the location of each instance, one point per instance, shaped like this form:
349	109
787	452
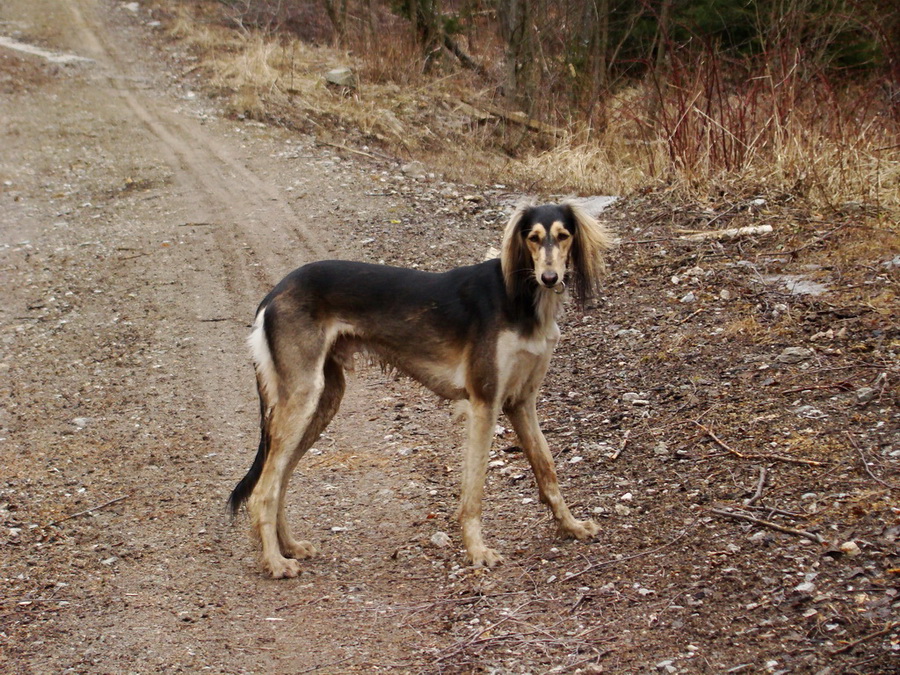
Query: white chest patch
522	362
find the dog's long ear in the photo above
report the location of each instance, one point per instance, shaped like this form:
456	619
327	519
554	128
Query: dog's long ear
515	260
587	262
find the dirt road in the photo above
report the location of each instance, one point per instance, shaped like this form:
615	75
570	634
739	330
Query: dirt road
138	230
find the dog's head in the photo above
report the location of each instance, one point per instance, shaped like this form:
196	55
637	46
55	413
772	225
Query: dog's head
543	243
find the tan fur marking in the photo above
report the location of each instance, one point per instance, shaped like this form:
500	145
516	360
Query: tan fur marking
497	363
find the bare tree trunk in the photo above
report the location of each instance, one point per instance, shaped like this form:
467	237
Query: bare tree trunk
661	43
337	14
425	18
515	27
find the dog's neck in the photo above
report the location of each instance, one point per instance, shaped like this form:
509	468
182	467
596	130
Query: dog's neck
548	305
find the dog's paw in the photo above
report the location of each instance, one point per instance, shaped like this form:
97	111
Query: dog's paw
579	529
281	568
299	550
485	557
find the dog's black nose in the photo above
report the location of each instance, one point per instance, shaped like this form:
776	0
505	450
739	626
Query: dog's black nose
549	279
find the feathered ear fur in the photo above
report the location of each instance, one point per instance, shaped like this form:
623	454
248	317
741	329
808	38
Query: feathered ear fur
515	260
586	261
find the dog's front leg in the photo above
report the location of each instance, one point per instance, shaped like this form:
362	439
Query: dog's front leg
525	421
482	420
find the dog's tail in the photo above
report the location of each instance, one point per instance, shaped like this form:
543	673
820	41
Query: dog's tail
267	388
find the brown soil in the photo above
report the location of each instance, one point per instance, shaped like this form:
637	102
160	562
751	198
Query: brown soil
139	230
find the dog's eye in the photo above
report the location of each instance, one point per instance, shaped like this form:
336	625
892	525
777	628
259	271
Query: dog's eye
535	237
562	236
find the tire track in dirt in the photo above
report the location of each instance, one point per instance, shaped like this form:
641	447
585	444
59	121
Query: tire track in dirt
185	588
231	194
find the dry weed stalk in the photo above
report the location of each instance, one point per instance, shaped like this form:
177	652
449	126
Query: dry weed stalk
708	128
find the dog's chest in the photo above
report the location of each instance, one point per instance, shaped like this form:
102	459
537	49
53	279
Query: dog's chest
523	361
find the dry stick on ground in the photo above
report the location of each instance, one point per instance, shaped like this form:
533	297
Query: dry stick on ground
777	458
781	512
850	645
812	536
759	488
622	447
866	464
476	638
846	385
607	563
87	511
732	233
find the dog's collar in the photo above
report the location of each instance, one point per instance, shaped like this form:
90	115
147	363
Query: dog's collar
560	288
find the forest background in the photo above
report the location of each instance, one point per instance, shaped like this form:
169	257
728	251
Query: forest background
702	99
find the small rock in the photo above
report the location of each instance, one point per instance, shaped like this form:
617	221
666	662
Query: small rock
666	666
342	77
725	294
440	539
634	398
629	334
865	394
850	548
809	412
109	561
627	497
622	510
596	203
794	355
688	298
414	170
661	449
806	588
81	422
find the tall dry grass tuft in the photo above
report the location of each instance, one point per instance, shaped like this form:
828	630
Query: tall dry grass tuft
713	127
702	126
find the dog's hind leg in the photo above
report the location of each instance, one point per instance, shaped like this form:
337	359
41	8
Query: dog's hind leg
289	422
525	422
329	402
482	420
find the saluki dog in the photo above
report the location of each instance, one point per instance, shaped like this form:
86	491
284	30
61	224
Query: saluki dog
481	334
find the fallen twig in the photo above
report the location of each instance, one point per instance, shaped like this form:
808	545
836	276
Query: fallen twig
476	637
618	452
775	458
607	563
866	464
759	487
351	150
730	233
691	315
845	386
850	645
87	511
812	536
781	512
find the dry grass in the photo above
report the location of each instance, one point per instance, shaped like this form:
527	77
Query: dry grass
765	137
